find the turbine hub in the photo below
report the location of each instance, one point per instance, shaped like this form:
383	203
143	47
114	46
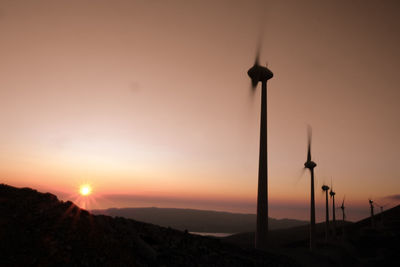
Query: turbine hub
332	193
310	164
258	73
325	187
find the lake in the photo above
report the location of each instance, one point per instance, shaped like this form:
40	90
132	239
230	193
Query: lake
212	234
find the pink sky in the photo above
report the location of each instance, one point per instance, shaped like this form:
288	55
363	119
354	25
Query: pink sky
151	99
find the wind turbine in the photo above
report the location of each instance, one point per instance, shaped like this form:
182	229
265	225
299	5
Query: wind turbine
371	204
343	216
342	208
332	194
261	74
325	188
381	214
309	164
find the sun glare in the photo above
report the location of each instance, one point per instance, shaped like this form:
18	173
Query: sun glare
85	190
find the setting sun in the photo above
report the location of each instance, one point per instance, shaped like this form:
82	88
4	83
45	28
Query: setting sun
85	190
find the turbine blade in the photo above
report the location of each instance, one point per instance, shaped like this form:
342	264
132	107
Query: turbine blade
300	175
258	51
254	84
257	59
251	94
322	192
309	135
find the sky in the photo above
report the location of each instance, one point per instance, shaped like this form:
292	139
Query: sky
149	102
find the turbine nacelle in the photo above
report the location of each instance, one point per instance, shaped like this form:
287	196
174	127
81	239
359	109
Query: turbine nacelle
325	187
310	164
258	73
331	193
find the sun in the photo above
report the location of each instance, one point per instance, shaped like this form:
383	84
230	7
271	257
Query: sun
85	190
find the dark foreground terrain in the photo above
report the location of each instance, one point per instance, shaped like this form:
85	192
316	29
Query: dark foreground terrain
37	229
361	244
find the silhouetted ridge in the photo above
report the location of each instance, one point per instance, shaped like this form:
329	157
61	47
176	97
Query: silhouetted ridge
38	229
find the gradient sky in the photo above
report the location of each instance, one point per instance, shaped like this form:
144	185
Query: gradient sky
149	101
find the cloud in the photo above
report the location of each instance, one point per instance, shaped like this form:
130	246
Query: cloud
393	197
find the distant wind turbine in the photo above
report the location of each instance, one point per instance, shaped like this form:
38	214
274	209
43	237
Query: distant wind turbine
332	194
309	164
261	74
343	217
342	208
325	188
371	204
381	214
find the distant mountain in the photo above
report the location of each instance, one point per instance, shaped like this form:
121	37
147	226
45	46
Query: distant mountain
37	229
198	220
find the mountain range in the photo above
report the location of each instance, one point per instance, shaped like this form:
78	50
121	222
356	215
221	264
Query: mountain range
198	220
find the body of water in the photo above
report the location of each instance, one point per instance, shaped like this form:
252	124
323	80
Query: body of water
212	234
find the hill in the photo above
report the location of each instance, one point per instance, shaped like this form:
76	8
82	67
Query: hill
197	220
36	229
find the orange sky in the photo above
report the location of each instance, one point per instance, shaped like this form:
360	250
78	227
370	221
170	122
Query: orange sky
150	99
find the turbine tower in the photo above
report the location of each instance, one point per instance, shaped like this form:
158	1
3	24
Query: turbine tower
309	164
261	74
332	194
325	188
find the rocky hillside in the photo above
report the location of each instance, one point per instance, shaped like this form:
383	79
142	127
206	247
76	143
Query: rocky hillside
36	229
